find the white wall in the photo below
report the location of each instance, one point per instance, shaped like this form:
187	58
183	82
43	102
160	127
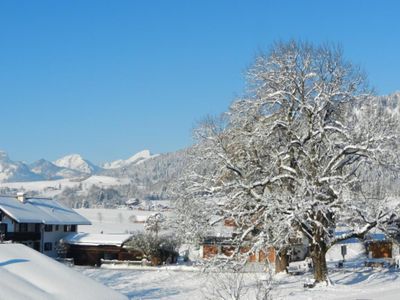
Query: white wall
54	238
10	224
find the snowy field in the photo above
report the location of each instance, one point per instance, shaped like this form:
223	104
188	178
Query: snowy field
358	283
114	220
50	188
25	275
354	281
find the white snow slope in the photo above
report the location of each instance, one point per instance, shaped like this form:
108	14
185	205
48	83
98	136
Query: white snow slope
28	274
135	159
76	162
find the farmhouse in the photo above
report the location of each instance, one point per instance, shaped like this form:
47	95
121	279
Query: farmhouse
215	246
37	222
220	242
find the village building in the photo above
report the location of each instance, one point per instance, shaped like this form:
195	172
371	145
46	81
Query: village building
91	249
220	242
38	223
224	246
379	245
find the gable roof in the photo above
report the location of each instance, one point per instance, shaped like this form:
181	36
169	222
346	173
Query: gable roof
91	239
36	210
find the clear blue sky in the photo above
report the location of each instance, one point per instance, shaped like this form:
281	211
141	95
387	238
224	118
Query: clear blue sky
108	78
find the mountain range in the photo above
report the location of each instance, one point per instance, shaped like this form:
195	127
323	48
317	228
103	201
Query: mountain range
69	166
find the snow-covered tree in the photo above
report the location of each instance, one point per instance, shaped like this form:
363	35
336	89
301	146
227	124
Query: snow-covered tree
288	158
154	223
155	248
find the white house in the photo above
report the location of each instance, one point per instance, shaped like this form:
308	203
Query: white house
37	222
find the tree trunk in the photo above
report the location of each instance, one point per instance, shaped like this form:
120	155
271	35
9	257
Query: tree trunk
319	263
281	261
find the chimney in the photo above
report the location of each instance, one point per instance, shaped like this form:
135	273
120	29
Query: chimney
21	197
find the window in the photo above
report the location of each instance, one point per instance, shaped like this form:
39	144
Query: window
110	255
48	228
69	228
56	229
36	246
23	227
48	246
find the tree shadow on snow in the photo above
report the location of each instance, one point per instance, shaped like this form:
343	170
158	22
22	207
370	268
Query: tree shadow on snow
366	275
13	261
153	293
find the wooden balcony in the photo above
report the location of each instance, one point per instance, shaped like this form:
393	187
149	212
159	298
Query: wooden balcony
22	236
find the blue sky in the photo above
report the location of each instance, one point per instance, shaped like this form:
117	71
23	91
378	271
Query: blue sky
109	78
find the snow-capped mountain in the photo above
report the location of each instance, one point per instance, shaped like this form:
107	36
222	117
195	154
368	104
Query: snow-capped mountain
70	166
15	171
50	171
77	163
135	159
143	176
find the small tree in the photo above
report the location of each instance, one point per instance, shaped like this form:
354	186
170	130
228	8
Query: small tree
154	223
225	286
156	249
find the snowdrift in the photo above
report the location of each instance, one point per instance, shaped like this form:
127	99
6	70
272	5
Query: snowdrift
28	274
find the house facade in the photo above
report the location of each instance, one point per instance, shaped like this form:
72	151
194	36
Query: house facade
37	222
217	246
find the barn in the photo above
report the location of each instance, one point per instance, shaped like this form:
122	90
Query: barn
90	249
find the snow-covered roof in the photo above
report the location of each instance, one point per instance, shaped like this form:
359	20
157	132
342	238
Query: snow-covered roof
376	236
91	239
221	231
28	274
41	211
373	235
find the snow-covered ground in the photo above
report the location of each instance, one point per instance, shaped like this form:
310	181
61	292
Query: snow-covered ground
50	188
28	274
358	283
354	281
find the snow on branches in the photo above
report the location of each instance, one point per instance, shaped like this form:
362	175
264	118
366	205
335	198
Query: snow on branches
289	157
